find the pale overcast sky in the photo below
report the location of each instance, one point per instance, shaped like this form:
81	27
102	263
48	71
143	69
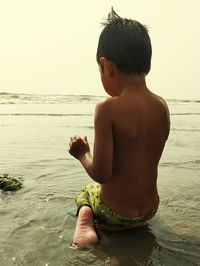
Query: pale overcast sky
49	46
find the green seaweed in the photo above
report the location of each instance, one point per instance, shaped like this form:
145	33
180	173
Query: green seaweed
8	183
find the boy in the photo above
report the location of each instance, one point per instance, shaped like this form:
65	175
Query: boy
131	128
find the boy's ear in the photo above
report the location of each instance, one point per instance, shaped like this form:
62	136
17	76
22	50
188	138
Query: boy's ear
147	72
107	67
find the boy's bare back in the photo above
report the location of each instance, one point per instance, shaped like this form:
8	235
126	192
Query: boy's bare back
140	126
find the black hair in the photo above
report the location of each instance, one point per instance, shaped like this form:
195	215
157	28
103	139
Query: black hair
126	43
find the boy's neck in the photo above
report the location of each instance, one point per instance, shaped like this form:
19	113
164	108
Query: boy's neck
131	82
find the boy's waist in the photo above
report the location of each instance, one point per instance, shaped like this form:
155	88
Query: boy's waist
129	206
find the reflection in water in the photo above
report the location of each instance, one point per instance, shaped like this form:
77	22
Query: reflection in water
156	244
130	247
174	248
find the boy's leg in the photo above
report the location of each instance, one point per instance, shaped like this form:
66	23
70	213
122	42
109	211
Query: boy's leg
85	230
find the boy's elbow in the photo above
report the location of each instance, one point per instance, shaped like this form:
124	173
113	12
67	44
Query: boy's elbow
100	180
101	177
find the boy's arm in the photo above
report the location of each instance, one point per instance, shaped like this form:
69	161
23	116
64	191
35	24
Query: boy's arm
101	163
166	117
99	167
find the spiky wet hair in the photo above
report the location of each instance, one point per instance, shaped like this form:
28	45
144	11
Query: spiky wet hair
126	43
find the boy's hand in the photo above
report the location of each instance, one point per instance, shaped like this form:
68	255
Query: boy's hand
78	147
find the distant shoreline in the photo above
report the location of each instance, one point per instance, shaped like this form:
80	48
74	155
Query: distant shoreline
90	95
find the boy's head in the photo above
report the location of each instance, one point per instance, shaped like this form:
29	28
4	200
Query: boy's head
126	43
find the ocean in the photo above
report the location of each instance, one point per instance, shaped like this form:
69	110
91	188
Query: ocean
38	221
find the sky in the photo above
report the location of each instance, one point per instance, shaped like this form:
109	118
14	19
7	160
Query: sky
49	46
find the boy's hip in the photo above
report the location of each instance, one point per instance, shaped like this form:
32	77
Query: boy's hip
91	196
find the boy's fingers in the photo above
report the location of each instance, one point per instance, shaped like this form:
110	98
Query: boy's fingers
73	139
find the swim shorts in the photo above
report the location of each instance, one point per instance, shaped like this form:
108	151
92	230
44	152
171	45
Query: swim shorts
91	196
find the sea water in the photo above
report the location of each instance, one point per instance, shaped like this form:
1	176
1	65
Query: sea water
37	222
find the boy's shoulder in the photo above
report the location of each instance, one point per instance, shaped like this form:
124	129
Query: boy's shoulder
107	103
164	106
106	109
164	111
163	102
160	101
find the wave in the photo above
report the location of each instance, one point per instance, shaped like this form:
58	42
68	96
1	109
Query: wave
6	103
182	101
185	164
44	114
5	93
9	98
186	113
81	114
185	129
6	97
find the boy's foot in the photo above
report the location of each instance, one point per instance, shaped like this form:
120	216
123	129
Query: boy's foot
85	233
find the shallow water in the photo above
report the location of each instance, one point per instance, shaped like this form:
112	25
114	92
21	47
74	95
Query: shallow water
37	222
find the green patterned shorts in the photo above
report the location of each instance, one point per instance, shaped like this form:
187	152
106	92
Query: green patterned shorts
90	196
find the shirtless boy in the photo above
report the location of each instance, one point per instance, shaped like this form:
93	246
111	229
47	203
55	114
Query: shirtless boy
131	128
